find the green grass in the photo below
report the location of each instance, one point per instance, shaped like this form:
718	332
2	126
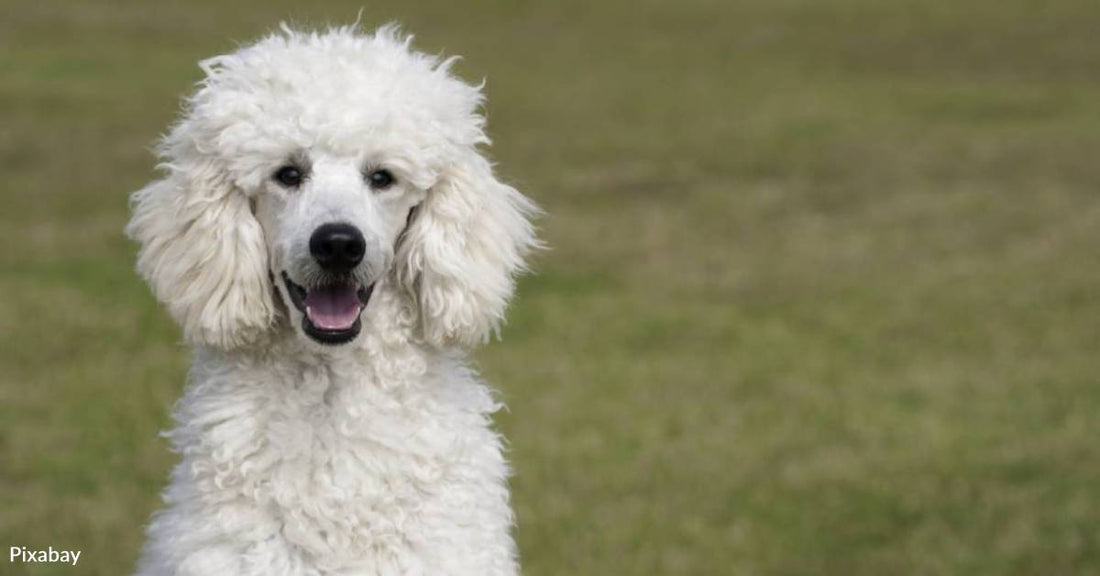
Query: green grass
823	297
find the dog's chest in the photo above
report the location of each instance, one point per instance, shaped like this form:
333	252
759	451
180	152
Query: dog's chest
341	469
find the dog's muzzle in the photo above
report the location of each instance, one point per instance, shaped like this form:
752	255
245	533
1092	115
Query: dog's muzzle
331	305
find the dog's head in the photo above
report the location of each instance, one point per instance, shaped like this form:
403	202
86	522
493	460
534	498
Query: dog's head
313	168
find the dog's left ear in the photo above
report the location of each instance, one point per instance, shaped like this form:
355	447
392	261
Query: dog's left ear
203	254
462	250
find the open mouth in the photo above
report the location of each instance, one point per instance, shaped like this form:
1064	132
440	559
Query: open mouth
331	311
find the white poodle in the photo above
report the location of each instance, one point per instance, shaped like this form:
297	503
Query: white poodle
332	243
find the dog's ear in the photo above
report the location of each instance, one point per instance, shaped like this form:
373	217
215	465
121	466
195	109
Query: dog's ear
461	251
203	254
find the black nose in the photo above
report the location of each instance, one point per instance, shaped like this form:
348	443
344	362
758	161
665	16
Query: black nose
337	247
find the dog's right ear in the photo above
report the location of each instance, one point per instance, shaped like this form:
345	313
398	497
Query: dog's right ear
459	256
203	254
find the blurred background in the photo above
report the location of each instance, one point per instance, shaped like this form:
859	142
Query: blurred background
822	296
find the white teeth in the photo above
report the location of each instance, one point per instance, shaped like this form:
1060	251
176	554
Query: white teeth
308	311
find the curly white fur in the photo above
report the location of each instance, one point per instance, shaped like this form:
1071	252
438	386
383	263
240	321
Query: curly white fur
375	457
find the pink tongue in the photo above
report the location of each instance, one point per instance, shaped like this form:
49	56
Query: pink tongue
332	307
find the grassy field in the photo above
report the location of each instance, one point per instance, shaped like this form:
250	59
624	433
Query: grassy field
823	298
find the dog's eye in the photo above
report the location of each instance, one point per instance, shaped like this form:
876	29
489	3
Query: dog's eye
380	179
289	176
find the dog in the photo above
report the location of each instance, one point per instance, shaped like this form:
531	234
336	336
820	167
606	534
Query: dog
333	242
